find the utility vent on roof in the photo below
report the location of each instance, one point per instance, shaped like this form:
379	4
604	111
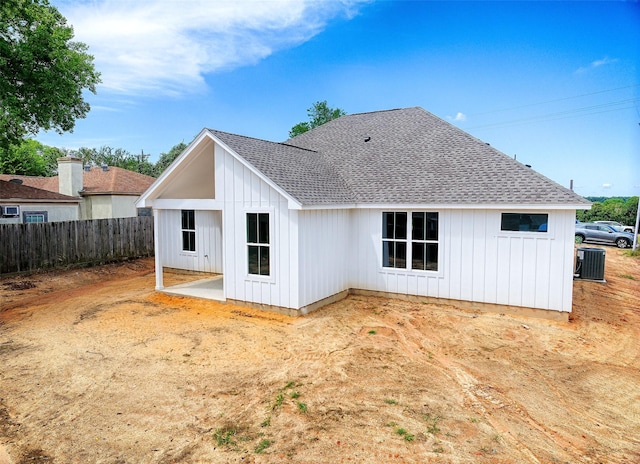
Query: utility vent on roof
105	168
87	167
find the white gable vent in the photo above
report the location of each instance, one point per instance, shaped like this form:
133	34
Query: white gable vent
10	211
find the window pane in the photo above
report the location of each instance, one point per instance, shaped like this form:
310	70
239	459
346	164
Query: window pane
253	260
263	228
431	263
418	256
387	225
188	219
417	228
524	222
401	255
188	240
401	225
387	254
264	260
432	226
252	228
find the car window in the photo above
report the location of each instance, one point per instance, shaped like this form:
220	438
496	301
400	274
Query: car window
591	227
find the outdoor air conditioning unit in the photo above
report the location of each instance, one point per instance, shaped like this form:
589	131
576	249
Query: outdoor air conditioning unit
590	264
10	211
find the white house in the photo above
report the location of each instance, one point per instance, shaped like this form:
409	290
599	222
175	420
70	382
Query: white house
393	202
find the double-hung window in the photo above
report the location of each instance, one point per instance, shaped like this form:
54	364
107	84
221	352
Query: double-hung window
31	217
188	230
414	241
424	241
394	240
258	247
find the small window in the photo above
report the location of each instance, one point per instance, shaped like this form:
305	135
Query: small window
394	240
524	222
188	230
33	217
258	248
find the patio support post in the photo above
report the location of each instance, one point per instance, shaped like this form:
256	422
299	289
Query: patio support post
157	251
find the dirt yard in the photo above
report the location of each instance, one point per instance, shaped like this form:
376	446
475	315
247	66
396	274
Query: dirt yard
95	367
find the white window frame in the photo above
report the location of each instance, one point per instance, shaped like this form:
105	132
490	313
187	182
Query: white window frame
43	214
408	269
270	245
183	230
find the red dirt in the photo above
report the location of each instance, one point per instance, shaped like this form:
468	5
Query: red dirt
96	367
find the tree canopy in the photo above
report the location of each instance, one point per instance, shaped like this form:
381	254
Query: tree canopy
29	158
42	71
622	210
320	113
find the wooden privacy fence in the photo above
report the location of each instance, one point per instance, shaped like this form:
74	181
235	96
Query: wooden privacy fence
28	247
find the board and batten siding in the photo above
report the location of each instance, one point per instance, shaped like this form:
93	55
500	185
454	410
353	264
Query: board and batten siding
324	249
477	261
242	191
208	254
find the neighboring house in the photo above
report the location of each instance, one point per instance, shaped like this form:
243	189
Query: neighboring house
394	202
105	192
23	204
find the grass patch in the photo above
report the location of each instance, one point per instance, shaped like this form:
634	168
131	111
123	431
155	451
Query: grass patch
633	254
404	434
372	332
225	436
627	276
295	395
432	423
266	422
278	402
391	401
302	407
263	445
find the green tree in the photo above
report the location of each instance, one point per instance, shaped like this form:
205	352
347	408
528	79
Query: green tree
618	209
320	113
29	158
42	71
166	159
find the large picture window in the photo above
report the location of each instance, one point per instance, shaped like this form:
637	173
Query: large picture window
258	247
524	222
414	241
188	230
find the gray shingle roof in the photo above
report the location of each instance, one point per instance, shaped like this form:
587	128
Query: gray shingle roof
412	157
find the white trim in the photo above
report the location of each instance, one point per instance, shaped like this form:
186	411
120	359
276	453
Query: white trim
444	206
271	278
158	251
186	203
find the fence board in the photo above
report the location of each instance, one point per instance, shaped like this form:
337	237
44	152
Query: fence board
28	247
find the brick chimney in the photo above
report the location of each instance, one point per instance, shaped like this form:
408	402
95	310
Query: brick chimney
70	176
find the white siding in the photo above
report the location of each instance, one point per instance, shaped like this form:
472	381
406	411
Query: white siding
478	262
324	247
208	254
241	192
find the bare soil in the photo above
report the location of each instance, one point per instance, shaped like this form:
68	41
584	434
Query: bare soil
96	367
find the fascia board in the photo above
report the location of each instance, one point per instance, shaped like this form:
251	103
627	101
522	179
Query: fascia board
442	206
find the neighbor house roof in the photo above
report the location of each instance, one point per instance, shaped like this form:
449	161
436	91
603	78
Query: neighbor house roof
402	156
96	181
14	191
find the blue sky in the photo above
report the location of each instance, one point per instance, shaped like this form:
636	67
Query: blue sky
554	83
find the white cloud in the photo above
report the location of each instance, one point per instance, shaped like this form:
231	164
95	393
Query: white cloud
458	117
607	186
596	64
166	47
